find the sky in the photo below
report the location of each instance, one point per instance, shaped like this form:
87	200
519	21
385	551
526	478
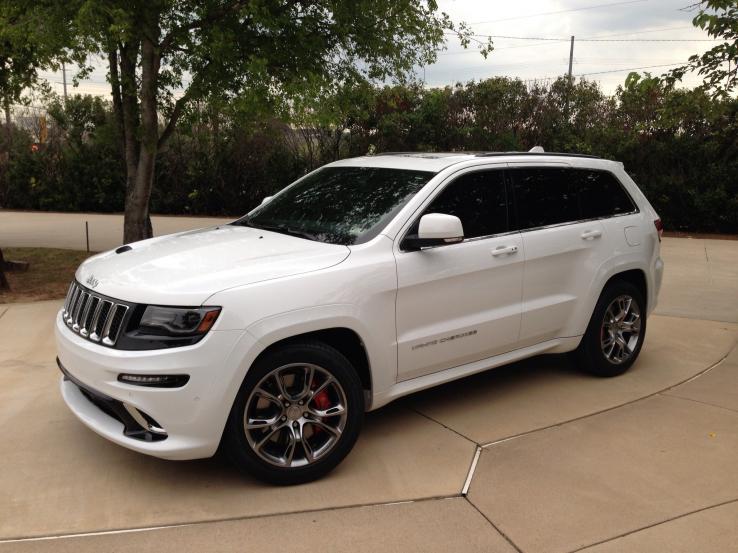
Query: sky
629	34
619	20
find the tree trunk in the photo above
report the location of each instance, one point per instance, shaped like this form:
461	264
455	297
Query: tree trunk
5	164
8	130
4	285
140	120
137	224
125	108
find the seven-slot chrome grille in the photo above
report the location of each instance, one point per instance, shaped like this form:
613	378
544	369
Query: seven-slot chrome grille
92	316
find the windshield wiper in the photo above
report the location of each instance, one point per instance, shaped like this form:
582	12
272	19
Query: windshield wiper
283	229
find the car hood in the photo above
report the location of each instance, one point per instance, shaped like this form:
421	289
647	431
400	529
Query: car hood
189	267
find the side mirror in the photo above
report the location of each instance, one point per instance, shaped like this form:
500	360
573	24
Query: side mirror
265	200
435	229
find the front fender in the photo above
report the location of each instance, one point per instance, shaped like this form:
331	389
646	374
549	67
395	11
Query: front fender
382	356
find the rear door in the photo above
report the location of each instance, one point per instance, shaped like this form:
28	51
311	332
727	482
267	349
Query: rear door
563	250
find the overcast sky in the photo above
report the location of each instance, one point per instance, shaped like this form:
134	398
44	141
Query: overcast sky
621	20
604	19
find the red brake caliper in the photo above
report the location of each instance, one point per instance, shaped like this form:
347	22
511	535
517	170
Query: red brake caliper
322	402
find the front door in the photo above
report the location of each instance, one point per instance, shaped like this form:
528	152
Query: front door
461	302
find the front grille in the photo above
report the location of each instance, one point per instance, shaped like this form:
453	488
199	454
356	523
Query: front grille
94	316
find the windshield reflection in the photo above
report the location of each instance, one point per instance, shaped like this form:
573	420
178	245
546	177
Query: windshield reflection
339	205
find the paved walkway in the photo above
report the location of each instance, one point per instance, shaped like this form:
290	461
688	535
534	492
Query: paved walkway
67	230
564	462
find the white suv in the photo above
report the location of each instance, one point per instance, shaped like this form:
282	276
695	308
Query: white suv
366	280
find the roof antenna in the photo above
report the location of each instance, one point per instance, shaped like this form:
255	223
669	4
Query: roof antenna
537	150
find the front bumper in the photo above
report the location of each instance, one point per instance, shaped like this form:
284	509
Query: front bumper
193	416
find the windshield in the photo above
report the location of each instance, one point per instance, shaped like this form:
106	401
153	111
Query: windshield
340	205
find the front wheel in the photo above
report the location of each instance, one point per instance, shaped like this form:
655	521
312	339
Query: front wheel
297	415
616	331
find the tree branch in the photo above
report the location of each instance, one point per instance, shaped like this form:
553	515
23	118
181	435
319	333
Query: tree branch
176	113
115	86
168	40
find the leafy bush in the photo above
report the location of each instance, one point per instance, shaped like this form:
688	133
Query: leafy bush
681	146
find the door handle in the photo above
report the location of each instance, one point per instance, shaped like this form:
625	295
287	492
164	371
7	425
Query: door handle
504	250
591	234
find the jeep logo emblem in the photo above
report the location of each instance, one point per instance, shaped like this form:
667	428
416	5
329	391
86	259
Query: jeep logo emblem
92	281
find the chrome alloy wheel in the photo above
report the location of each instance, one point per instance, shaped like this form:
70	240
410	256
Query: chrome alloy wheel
621	329
295	415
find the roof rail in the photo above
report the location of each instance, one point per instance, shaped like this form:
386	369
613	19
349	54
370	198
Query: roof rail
463	153
552	154
534	152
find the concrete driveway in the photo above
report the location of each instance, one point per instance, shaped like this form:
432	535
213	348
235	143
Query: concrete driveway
553	460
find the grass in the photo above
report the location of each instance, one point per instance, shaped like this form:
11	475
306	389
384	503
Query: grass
48	276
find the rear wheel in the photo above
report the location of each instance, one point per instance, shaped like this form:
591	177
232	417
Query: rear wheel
616	331
297	415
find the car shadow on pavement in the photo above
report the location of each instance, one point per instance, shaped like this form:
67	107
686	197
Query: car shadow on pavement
521	397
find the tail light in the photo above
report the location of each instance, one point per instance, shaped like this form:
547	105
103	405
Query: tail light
659	227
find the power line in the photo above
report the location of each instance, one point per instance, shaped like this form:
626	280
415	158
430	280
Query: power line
630	69
642	32
560	11
553	78
536	79
567	39
543	43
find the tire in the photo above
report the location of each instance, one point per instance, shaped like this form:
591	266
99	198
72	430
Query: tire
297	430
601	352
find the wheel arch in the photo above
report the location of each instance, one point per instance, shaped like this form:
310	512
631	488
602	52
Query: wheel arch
636	277
345	340
630	271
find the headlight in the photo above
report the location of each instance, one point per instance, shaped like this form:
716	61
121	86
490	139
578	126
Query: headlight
177	321
156	327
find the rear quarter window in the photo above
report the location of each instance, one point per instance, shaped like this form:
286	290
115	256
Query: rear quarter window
600	194
550	196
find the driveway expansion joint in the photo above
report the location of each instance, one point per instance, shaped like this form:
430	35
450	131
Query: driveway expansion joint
467	438
19	539
675	396
493	525
665	521
470	475
614	407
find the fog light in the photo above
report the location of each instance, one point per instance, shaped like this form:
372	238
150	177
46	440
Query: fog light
155	381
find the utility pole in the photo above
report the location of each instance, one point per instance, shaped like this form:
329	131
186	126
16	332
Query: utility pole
571	82
64	78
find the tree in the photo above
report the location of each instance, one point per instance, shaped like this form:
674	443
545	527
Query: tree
26	45
164	55
719	65
28	42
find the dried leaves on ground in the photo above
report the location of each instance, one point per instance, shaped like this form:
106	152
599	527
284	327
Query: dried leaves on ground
48	276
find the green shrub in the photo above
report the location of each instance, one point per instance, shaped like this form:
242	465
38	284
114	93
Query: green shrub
681	146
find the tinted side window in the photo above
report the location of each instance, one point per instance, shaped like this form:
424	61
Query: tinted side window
478	199
544	196
601	195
